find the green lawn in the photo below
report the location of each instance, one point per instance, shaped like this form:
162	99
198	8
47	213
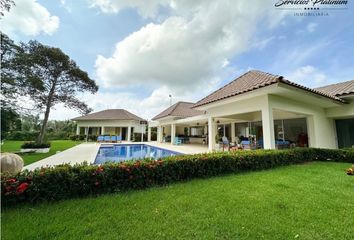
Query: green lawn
28	158
309	201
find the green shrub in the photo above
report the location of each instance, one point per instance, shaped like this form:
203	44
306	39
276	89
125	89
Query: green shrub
65	181
35	145
82	137
74	137
61	135
22	135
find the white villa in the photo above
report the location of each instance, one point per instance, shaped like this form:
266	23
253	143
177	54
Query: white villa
117	122
266	109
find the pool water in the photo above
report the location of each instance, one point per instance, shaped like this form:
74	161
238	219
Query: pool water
120	153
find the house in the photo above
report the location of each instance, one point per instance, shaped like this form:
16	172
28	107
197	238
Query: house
118	122
265	111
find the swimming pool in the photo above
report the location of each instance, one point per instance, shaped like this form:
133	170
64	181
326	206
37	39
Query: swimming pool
124	152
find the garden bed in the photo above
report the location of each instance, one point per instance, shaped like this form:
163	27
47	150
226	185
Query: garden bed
67	181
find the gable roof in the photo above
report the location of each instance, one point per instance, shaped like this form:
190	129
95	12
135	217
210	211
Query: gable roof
253	80
110	114
179	109
338	89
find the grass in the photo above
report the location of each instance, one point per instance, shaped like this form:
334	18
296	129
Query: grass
308	201
28	158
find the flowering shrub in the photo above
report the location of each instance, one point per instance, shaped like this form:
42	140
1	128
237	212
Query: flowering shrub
65	181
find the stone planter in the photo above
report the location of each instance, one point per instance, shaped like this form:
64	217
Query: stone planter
11	163
37	150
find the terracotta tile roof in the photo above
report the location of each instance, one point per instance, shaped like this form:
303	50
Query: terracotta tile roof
179	109
338	89
253	80
110	114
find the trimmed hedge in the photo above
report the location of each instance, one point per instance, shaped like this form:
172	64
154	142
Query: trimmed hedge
35	145
65	181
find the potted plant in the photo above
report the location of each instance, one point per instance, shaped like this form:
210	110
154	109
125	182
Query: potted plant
35	147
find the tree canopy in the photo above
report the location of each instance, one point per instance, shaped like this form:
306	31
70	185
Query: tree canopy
44	74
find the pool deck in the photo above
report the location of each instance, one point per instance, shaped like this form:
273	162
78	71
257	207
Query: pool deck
88	151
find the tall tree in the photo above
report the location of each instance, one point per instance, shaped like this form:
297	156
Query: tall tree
52	78
9	81
5	5
9	86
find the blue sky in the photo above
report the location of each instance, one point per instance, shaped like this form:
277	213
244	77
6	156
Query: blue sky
139	52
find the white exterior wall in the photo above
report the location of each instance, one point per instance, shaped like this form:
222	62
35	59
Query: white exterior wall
347	110
110	123
321	128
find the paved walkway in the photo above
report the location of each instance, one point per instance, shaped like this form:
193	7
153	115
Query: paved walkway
78	154
88	151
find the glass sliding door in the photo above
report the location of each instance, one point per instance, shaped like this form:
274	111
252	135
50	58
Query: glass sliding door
345	132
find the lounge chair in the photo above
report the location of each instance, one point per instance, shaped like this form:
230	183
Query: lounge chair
119	139
100	139
246	144
282	144
113	138
106	138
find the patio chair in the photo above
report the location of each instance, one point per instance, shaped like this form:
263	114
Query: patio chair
119	139
113	138
100	139
178	141
225	142
106	138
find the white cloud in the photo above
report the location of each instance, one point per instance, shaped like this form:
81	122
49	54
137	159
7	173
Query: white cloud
28	17
146	8
311	27
66	5
262	43
185	50
308	75
147	107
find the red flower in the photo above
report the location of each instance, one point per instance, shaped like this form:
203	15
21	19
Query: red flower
100	169
22	187
11	180
97	183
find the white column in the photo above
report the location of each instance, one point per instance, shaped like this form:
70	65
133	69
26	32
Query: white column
86	130
129	133
211	134
268	128
149	134
102	130
173	133
161	133
311	131
77	130
233	132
